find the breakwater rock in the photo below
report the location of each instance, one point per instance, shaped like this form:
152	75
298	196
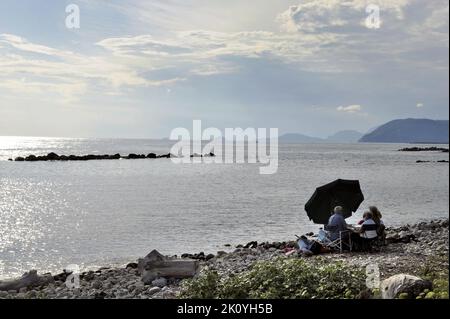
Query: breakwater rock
424	149
55	157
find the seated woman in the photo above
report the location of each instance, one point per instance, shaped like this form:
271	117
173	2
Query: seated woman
363	238
376	216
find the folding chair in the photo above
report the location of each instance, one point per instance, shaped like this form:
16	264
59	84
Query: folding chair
337	244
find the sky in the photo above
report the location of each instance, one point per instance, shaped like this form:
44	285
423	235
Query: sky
138	69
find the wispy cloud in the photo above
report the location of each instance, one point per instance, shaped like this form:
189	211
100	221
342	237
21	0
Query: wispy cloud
350	108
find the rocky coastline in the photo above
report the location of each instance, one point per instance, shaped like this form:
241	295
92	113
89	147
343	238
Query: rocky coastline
411	249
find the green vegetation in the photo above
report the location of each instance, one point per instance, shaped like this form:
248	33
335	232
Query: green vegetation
280	279
434	271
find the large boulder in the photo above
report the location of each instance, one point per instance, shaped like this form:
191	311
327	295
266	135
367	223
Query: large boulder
403	284
28	279
156	265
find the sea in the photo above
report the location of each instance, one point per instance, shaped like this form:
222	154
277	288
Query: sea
110	212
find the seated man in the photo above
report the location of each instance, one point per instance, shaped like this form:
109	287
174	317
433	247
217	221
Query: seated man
336	223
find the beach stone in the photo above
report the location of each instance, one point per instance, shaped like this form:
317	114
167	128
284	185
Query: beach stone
97	284
132	265
160	282
221	253
153	290
395	285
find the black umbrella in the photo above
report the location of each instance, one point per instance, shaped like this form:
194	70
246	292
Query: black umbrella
341	192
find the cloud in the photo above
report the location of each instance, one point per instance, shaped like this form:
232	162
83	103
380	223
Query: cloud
35	69
316	36
336	15
24	45
350	108
404	38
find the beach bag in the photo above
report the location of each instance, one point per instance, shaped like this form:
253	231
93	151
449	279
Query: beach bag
315	248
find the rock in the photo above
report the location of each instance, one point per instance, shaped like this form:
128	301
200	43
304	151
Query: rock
221	253
209	256
252	244
153	290
97	284
424	149
28	279
160	282
132	265
395	285
19	159
52	156
151	155
135	156
31	158
155	265
100	295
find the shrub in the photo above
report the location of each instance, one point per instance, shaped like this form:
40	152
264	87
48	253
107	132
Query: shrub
278	279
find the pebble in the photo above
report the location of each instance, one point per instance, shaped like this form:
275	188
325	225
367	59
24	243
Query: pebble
160	282
153	290
96	284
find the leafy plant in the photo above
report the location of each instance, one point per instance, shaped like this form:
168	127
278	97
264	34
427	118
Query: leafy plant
279	279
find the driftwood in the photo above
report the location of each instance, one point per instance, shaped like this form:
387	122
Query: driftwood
28	279
155	265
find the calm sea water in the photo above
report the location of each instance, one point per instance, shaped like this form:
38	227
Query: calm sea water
53	214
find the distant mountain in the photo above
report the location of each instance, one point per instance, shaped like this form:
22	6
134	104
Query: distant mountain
299	138
347	136
410	131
